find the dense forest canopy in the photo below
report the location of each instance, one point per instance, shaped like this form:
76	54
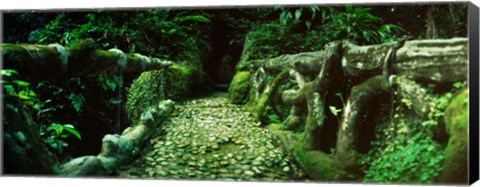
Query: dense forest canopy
181	54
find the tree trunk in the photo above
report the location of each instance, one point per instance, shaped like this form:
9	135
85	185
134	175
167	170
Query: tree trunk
313	94
41	62
431	32
358	104
433	61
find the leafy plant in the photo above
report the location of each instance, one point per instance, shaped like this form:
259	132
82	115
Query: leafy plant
55	135
110	82
132	31
292	16
198	18
359	25
459	85
63	95
56	31
18	88
417	160
412	154
77	101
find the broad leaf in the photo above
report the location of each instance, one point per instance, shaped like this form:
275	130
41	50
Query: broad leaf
298	13
73	131
198	18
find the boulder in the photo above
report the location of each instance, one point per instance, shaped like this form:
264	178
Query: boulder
239	88
455	168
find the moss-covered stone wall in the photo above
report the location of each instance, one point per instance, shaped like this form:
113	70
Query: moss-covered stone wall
173	82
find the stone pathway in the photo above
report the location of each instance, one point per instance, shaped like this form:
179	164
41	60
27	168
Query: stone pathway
208	139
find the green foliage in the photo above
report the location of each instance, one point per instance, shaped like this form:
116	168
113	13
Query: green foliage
274	39
358	25
110	83
198	18
389	33
440	102
257	40
55	135
64	95
56	31
77	101
459	85
407	102
416	159
411	154
18	88
272	118
323	25
179	32
293	15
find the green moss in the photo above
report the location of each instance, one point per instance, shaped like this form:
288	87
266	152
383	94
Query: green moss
178	82
182	70
268	40
456	162
134	58
105	54
316	164
242	65
152	86
264	110
144	92
239	88
456	114
371	83
275	126
261	106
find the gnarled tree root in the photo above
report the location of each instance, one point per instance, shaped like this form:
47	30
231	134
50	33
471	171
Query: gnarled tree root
119	149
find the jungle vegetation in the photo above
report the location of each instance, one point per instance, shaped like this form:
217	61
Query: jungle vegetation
212	48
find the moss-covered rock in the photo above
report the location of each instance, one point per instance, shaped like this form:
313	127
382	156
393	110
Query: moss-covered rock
178	82
275	127
150	87
455	169
239	88
316	164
